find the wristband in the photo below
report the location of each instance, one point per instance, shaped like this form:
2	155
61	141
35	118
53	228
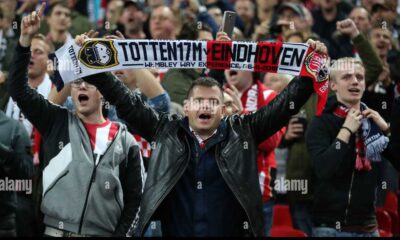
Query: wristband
348	129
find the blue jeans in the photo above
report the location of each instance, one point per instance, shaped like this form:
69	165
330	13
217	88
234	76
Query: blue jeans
302	216
153	230
268	214
331	232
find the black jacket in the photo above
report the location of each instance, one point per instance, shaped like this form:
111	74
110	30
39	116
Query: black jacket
15	162
171	155
343	196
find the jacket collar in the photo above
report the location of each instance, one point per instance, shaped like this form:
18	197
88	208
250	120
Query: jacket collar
220	134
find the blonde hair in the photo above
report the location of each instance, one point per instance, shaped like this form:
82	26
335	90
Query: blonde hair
343	64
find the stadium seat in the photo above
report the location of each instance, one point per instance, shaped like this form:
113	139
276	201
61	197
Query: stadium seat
282	216
384	220
285	231
391	206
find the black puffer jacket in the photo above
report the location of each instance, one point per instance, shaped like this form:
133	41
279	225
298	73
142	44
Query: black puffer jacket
343	196
170	158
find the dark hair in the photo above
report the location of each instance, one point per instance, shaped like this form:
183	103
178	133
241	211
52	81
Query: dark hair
190	30
204	82
58	3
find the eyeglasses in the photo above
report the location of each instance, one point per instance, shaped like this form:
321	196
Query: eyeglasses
77	84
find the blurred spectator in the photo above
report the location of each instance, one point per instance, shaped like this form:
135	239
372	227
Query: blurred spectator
325	19
133	18
216	14
362	19
246	10
7	44
250	90
39	80
63	22
163	24
112	22
385	13
58	20
15	164
178	81
265	10
276	82
291	17
224	5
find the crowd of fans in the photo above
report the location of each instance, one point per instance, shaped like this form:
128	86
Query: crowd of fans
343	187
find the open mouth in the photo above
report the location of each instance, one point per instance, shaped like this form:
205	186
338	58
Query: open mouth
83	98
233	73
354	90
205	116
30	63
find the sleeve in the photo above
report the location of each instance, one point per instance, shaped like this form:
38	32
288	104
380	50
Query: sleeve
132	179
271	118
272	142
326	155
39	111
393	150
160	103
372	63
18	158
139	117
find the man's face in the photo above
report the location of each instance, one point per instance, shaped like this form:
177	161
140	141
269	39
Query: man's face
360	18
349	86
87	99
239	79
275	82
228	102
114	11
245	10
39	57
60	19
162	23
205	109
380	39
216	14
133	18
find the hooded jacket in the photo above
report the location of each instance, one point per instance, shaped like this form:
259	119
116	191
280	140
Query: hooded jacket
78	195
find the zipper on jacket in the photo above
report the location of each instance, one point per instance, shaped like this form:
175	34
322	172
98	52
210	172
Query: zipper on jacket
234	192
174	181
349	199
92	179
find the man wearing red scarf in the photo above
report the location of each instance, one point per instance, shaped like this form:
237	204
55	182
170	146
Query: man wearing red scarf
345	144
255	95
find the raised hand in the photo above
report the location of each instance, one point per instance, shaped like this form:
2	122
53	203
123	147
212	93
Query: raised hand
80	39
318	46
347	27
30	25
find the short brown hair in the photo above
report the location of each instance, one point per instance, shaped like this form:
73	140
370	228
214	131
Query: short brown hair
205	82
